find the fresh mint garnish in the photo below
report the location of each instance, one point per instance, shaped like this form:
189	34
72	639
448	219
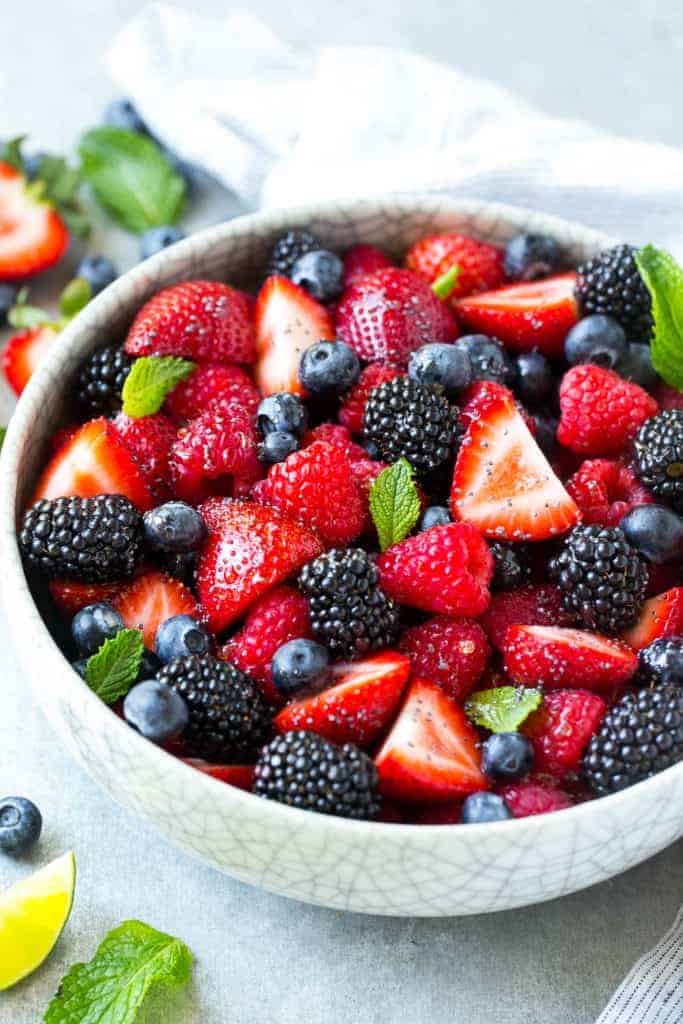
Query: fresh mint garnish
131	178
504	708
25	317
444	285
3	434
111	672
74	298
152	378
134	962
664	280
394	503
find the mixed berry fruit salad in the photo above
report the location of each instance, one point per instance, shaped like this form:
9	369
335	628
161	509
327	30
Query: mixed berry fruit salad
395	539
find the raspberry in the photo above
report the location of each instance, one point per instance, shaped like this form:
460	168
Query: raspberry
338	436
361	260
561	728
352	411
605	491
209	382
534	797
149	441
528	606
450	652
600	412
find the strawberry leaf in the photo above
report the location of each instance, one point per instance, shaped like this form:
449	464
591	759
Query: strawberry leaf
74	298
444	285
664	280
10	153
394	503
3	434
504	708
150	380
111	672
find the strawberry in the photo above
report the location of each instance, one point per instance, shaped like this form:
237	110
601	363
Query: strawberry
532	315
600	412
202	320
360	260
32	234
95	461
387	315
605	491
659	616
555	657
446	570
432	752
561	729
280	615
23	352
62	435
288	321
149	441
503	483
528	606
480	394
316	486
339	436
357	707
207	383
149	600
70	596
353	409
534	796
480	265
239	775
250	549
450	652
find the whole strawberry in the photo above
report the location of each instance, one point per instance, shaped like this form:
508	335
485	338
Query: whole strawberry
149	441
360	260
480	265
450	652
600	412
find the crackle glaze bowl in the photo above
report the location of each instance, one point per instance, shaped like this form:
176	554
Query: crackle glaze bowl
371	867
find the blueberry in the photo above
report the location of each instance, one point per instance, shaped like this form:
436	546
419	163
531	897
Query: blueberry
277	446
321	273
484	807
529	257
435	515
655	531
32	165
149	666
174	527
155	710
282	411
300	665
596	339
8	297
122	113
442	366
20	825
156	239
179	636
488	358
534	378
546	433
98	271
662	661
507	755
636	366
329	368
94	624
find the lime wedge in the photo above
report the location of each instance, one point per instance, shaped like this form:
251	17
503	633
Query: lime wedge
33	913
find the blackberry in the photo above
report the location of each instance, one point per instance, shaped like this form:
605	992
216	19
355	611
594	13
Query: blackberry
228	717
101	380
97	540
662	661
610	283
658	456
511	567
301	769
602	577
350	613
642	734
288	248
405	418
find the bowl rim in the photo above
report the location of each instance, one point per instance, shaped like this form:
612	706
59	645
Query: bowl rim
18	601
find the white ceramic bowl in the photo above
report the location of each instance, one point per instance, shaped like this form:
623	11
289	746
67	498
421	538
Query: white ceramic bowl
372	867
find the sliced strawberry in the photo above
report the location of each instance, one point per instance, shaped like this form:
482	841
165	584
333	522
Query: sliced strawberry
287	321
554	657
32	235
503	483
528	606
95	461
250	549
357	707
660	616
239	775
534	315
24	351
71	595
432	752
148	601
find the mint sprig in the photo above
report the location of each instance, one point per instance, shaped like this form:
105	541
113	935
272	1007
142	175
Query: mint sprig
134	962
664	280
111	672
72	300
3	434
503	708
394	503
152	378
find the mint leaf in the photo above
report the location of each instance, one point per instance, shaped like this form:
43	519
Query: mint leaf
664	280
131	178
3	434
10	153
24	317
60	186
504	708
133	962
74	298
152	378
111	672
394	503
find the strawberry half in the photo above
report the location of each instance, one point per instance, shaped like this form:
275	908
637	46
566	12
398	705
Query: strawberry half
148	601
432	752
287	322
23	352
70	596
660	616
32	234
503	483
534	315
239	775
357	707
94	461
554	657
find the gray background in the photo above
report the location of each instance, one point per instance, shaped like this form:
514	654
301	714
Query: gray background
259	957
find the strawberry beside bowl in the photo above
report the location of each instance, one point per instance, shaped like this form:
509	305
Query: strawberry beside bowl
373	867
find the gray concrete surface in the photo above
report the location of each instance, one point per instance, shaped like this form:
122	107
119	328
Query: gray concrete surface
259	957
